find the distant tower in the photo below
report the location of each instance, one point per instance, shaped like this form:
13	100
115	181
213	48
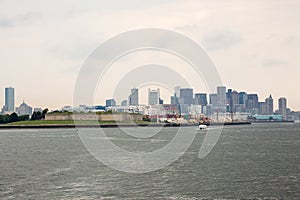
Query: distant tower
234	100
269	105
153	96
187	95
221	95
9	99
177	91
133	99
201	99
282	107
252	101
213	99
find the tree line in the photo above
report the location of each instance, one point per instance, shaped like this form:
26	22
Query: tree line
4	119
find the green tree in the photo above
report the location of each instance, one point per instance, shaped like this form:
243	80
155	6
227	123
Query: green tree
36	115
23	117
4	119
13	117
45	111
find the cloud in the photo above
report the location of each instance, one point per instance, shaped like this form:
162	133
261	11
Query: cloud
21	19
218	40
274	63
6	23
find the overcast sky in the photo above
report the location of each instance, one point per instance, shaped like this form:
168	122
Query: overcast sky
254	44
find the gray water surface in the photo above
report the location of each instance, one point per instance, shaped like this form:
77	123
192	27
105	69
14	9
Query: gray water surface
255	161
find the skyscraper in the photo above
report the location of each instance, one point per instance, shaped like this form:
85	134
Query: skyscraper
9	99
177	91
187	95
282	107
269	105
133	99
213	99
201	99
252	101
243	97
221	95
153	96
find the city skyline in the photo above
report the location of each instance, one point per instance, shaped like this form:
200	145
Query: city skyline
253	47
223	96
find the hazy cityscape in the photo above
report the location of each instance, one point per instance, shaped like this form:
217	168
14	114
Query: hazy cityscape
225	105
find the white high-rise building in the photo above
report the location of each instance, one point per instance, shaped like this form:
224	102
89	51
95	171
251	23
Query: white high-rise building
153	96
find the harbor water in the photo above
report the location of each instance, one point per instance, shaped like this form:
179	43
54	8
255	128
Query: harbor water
250	161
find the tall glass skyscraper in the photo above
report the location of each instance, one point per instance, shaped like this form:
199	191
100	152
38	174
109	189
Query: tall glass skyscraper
133	99
9	99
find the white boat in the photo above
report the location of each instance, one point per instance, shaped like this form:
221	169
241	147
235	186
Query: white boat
202	126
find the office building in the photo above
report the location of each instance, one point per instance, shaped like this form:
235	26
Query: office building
110	103
177	91
9	99
234	100
221	95
269	105
262	108
213	99
133	99
201	99
282	107
228	96
186	94
243	97
153	96
252	101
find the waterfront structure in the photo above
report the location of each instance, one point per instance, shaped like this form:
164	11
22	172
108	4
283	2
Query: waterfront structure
9	100
269	105
133	99
110	102
187	95
201	99
24	109
221	95
282	107
153	96
267	117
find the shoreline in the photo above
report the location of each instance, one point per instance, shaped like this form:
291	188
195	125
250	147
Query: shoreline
116	125
113	125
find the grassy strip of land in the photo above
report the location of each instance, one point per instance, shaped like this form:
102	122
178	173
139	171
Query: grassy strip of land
67	122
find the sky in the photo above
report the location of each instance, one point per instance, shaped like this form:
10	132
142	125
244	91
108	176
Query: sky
43	44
